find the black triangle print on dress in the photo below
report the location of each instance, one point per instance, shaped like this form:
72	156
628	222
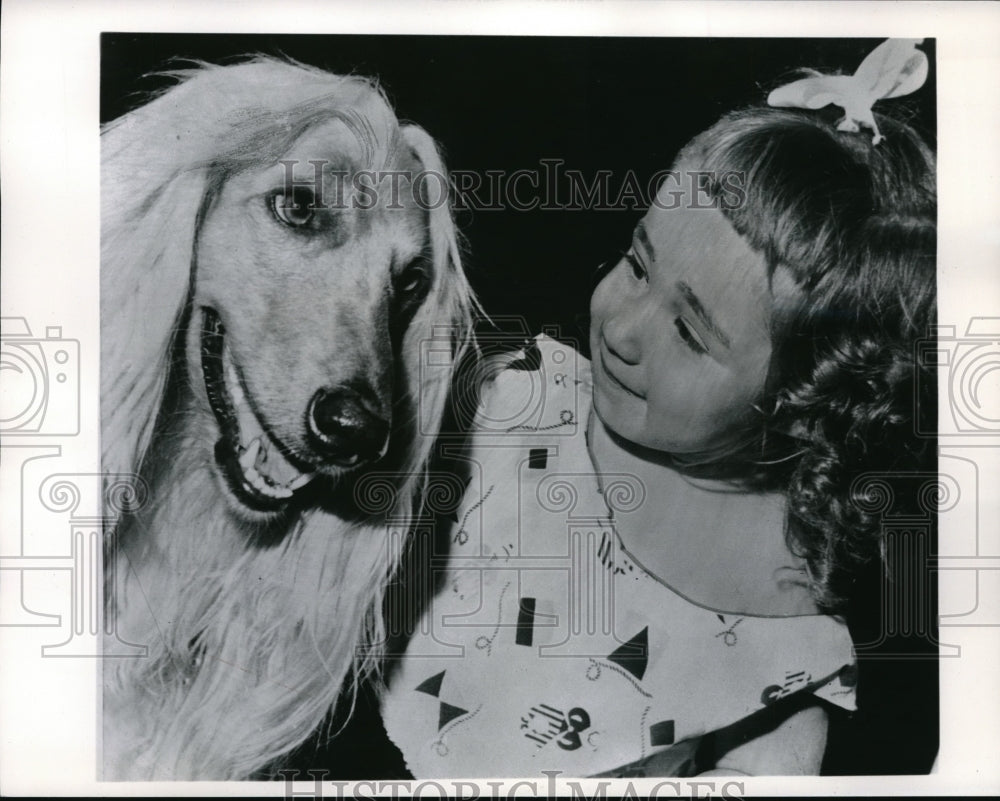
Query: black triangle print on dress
431	686
633	655
449	713
531	361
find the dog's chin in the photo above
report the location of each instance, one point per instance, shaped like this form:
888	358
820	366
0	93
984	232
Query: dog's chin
263	478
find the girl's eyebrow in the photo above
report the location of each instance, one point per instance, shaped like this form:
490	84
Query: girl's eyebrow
702	313
643	238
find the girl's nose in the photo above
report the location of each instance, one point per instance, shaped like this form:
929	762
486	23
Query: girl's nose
621	335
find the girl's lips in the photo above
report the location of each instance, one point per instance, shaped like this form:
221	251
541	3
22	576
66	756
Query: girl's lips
603	359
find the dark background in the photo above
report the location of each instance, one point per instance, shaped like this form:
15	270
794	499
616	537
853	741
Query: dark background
506	103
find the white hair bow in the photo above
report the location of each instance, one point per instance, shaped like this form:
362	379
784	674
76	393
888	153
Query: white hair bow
892	69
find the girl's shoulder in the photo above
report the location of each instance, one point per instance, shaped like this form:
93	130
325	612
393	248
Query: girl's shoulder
543	386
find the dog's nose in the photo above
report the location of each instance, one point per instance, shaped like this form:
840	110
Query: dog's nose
345	427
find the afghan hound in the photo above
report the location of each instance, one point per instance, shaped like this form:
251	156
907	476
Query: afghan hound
265	301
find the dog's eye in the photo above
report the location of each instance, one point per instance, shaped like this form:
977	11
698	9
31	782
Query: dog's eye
295	209
412	278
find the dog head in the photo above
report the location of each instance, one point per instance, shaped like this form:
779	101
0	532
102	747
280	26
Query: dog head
304	288
304	237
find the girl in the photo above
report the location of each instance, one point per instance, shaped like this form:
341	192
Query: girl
648	571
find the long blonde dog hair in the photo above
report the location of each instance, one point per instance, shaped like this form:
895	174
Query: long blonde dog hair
248	648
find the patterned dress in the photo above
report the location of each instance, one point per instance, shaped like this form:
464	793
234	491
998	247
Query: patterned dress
548	647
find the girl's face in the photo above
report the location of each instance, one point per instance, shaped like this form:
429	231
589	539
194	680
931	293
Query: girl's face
680	331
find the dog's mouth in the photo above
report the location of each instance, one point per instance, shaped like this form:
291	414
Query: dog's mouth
256	467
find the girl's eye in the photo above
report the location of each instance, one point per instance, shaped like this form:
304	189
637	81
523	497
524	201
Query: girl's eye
690	336
637	268
295	209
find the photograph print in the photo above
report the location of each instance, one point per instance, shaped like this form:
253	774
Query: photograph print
496	405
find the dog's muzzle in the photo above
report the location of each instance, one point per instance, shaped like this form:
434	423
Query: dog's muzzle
343	430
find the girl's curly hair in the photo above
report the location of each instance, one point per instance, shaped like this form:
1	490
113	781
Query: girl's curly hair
855	226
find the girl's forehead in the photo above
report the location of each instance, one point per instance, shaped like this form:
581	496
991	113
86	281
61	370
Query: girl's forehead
690	227
696	252
695	231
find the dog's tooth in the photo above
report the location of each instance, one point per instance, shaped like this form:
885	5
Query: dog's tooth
252	475
249	456
257	480
261	483
301	481
262	454
263	486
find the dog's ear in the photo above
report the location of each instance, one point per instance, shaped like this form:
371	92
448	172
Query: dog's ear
443	326
435	198
149	214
